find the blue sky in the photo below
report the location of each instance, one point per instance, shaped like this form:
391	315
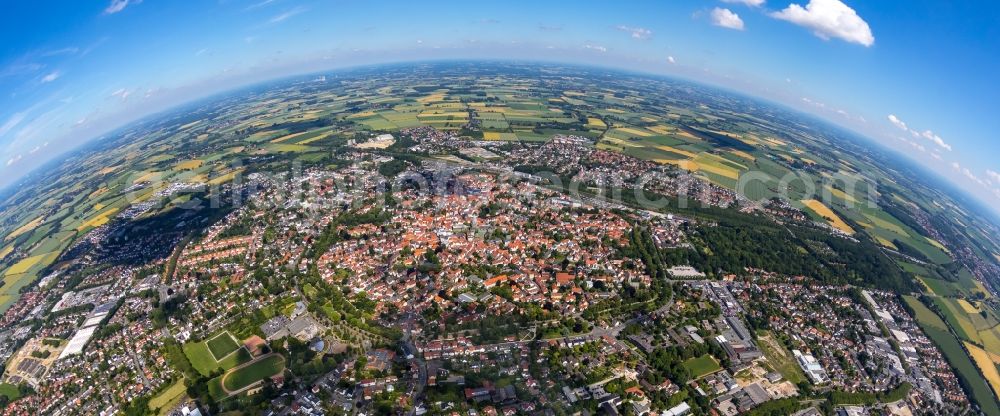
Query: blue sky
916	75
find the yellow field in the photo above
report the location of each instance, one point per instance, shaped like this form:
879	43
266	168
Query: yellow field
708	162
100	191
431	98
6	251
678	151
362	114
837	193
991	341
317	138
455	114
25	264
660	129
886	243
685	164
184	127
986	365
775	142
25	228
94	222
937	244
149	176
224	178
596	122
288	136
927	288
743	154
968	307
615	110
108	170
189	164
635	132
719	170
831	216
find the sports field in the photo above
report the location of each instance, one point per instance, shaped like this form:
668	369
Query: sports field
248	374
203	359
221	345
702	366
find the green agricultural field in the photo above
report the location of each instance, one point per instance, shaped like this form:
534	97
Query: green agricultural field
701	366
251	373
221	345
957	319
937	331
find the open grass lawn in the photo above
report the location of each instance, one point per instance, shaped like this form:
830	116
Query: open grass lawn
169	397
10	390
938	333
200	357
258	370
702	366
221	345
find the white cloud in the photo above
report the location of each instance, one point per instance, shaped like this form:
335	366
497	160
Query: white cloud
122	94
829	19
726	18
993	175
260	4
955	166
12	122
119	5
815	103
936	156
929	135
639	33
598	48
898	123
926	134
751	3
284	16
52	76
671	60
13	160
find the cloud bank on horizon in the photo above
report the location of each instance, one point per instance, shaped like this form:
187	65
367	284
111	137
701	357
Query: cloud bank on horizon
72	75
